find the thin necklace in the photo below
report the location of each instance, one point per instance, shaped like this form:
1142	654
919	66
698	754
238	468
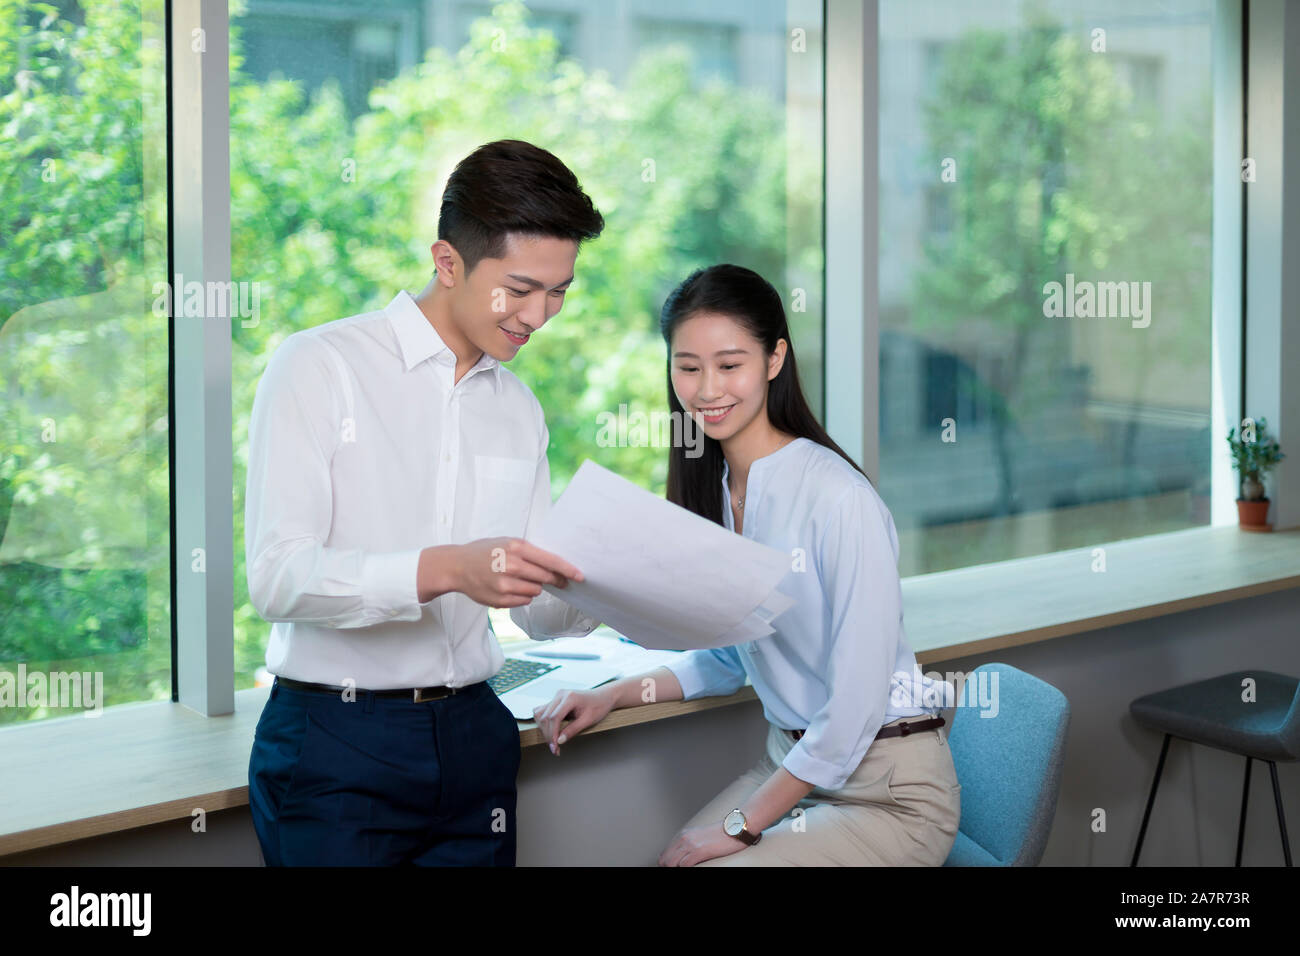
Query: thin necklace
740	501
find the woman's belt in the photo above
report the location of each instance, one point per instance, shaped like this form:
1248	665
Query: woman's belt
900	729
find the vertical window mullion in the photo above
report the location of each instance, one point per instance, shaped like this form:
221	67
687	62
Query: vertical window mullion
201	411
852	318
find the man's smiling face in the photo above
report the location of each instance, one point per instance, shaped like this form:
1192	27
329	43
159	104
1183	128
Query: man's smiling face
502	302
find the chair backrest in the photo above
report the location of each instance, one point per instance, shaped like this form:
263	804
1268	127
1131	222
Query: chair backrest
1008	747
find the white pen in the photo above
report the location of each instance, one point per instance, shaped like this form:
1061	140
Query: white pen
567	655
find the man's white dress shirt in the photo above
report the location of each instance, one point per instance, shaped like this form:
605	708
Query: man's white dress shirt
362	451
838	665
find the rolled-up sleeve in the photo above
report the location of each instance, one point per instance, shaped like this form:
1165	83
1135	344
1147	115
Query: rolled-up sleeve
546	616
293	432
857	561
709	672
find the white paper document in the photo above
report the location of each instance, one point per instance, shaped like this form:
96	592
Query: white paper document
655	572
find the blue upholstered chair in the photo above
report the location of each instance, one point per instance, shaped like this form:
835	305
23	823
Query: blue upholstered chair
1009	767
1212	712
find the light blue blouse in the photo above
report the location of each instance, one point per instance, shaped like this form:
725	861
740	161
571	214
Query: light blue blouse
838	665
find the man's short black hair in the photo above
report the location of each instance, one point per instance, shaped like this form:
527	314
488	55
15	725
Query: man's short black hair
512	186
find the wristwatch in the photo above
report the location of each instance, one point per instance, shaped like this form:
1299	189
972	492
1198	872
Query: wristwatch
734	824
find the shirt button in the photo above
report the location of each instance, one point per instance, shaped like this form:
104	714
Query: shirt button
444	520
448	456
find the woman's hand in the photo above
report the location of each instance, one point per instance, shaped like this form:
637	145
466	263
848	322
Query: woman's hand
699	844
581	708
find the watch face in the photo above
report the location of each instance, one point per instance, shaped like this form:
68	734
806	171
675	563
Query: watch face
734	823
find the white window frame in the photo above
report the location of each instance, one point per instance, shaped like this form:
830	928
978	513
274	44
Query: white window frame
202	456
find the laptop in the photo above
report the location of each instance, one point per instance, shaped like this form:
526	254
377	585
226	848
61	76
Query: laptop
524	683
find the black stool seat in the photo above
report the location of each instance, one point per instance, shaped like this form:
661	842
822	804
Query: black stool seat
1211	712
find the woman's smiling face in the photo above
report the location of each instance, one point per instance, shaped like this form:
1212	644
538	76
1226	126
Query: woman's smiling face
719	373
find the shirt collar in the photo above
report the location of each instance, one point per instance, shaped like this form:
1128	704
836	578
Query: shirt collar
419	340
726	469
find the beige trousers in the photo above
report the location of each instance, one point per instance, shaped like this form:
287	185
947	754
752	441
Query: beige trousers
900	807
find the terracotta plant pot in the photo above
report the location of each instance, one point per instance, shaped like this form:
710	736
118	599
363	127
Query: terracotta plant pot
1252	514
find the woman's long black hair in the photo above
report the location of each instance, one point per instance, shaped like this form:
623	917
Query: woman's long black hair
744	295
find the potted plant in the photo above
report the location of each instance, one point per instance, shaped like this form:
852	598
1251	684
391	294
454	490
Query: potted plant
1253	454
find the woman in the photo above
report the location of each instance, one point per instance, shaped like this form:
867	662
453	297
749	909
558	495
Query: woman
840	783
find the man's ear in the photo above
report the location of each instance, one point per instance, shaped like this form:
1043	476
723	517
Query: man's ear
776	360
448	263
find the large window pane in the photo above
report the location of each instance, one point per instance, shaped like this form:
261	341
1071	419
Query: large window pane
695	127
1021	146
84	522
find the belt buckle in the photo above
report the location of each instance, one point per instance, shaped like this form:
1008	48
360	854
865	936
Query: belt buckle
420	698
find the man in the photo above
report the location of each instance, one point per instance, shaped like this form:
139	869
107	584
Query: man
395	468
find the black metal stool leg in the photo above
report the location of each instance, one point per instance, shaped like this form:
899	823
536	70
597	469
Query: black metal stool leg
1241	827
1281	818
1151	799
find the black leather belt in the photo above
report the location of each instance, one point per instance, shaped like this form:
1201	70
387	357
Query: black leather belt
417	695
897	730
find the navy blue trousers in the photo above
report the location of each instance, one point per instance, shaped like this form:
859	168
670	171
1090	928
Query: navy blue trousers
383	782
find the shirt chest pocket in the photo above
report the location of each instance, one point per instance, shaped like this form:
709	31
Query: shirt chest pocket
503	492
